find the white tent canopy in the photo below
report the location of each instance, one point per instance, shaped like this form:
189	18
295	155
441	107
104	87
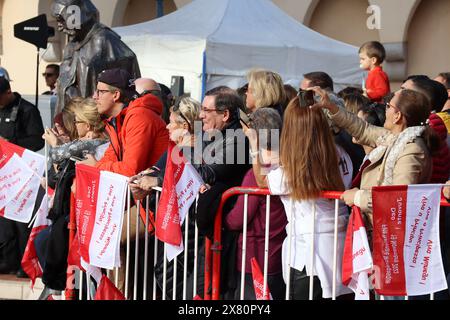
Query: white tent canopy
216	42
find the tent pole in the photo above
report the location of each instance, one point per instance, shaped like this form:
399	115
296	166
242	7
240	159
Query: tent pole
204	75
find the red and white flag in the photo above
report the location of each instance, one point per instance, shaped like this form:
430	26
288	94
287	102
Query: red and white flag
406	246
100	202
357	260
21	205
258	282
180	188
30	262
14	174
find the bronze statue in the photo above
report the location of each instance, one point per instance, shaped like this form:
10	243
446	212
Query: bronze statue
92	47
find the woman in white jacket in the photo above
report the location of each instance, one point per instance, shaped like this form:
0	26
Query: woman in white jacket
309	165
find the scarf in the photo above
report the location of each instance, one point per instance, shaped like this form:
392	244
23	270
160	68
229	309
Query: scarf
398	145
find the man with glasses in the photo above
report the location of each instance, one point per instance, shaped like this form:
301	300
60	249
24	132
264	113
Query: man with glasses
51	75
137	133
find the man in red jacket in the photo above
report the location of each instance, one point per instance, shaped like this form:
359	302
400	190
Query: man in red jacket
137	133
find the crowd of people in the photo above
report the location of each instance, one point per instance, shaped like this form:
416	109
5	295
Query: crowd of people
265	134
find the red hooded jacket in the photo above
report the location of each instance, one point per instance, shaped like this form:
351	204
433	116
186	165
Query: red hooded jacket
138	139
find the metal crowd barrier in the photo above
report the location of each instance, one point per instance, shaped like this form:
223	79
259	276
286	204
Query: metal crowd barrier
216	247
212	264
154	292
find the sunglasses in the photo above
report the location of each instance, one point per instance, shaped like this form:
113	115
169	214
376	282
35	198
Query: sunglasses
46	74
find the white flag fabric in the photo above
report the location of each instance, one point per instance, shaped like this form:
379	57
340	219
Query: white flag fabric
357	261
20	207
407	253
14	174
100	203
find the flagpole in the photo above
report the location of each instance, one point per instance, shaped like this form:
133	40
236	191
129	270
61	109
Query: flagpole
266	245
311	278
194	290
291	222
146	247
46	183
186	243
336	215
244	246
127	263
155	256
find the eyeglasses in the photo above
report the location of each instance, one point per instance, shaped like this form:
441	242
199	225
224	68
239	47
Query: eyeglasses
46	74
100	92
388	105
208	110
78	121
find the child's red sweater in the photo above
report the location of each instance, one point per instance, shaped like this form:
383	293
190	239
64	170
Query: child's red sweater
377	84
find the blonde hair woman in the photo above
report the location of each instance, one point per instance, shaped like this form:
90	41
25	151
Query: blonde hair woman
183	115
86	130
265	89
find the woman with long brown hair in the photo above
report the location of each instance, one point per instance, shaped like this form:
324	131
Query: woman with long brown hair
309	166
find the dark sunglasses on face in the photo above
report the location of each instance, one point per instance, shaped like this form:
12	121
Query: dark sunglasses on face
47	74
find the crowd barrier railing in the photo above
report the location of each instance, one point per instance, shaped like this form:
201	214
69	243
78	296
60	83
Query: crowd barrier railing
212	253
216	246
129	284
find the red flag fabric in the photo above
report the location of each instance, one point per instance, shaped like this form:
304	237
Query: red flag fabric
30	263
108	291
357	259
180	188
406	246
168	227
258	282
74	258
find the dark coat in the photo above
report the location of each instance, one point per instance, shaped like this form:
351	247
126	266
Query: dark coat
21	124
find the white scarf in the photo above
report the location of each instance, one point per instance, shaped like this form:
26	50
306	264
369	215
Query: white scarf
398	145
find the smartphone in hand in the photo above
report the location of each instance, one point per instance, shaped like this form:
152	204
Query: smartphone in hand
306	98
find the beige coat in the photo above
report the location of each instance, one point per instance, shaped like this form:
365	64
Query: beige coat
413	165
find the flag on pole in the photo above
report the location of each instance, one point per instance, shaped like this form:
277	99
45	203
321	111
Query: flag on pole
180	188
100	202
406	246
357	260
30	262
258	282
108	291
21	204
